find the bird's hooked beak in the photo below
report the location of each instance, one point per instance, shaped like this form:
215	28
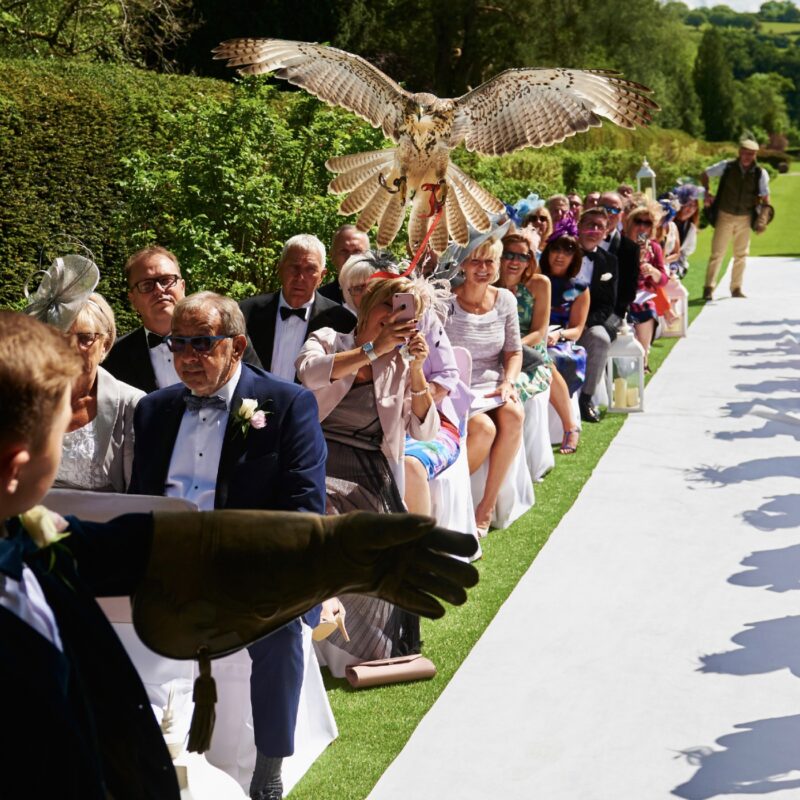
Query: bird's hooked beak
420	111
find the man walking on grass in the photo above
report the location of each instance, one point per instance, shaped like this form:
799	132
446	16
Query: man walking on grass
742	186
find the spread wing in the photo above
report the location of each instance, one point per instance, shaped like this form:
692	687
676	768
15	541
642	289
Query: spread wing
539	107
334	76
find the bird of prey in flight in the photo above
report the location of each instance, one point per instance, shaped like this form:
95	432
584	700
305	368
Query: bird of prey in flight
515	109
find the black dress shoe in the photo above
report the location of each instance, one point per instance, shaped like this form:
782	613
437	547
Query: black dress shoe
708	293
589	412
738	293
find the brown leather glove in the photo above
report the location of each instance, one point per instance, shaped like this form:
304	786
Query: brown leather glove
223	579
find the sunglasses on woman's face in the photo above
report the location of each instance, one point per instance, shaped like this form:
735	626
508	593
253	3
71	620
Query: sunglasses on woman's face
521	257
565	247
200	344
541	218
643	223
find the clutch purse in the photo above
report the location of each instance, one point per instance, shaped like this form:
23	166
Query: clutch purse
390	670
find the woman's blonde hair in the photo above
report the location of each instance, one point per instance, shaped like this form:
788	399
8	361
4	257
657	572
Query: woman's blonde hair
97	313
638	213
381	290
548	228
489	249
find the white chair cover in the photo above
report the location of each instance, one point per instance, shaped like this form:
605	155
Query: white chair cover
536	435
232	745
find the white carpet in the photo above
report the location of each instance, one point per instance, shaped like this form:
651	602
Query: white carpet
653	648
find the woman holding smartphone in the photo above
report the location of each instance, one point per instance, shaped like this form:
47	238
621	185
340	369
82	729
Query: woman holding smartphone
639	226
371	390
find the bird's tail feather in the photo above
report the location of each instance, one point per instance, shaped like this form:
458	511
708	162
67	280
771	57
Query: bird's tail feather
391	221
373	210
340	164
455	220
486	200
361	195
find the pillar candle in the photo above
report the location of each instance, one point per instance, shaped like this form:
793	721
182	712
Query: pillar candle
633	397
620	392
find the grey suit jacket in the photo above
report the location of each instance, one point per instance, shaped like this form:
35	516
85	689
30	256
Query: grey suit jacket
116	402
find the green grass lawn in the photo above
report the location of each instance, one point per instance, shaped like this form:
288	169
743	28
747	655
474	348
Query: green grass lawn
781	28
375	724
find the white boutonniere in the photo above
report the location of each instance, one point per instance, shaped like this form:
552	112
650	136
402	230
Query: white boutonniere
46	530
249	415
606	276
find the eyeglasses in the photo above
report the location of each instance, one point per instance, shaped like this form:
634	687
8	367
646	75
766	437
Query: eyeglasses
521	257
592	226
359	288
612	210
540	218
148	284
644	223
84	340
575	204
200	344
562	247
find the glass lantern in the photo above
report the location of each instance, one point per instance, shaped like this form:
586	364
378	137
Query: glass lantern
675	324
646	180
625	373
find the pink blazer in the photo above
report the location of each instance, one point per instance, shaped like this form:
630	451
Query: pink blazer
392	389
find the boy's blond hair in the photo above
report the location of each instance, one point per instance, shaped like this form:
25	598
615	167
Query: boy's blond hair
36	367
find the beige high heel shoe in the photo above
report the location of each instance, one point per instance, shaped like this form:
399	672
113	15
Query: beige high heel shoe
327	625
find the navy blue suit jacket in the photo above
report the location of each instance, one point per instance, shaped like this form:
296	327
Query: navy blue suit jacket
278	468
78	724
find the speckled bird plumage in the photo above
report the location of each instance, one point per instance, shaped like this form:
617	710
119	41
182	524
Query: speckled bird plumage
515	109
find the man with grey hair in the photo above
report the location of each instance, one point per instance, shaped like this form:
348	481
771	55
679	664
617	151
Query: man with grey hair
278	323
232	436
347	241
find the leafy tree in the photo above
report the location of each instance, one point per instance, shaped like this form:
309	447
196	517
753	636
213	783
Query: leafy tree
134	31
713	80
779	11
762	100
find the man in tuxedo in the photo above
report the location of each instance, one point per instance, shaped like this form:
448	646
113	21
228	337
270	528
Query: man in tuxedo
279	323
78	720
625	250
347	241
233	436
141	358
599	272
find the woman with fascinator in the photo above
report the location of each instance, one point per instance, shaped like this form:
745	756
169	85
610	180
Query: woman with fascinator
98	446
569	306
484	320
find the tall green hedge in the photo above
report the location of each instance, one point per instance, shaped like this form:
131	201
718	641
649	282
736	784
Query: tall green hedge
223	173
63	129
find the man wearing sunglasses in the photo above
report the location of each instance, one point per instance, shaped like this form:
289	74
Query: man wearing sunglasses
141	358
202	441
625	250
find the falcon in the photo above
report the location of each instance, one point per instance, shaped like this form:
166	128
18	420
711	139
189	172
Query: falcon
515	109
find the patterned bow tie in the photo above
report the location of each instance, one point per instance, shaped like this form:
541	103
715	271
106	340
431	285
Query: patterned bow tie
195	403
296	312
153	339
12	551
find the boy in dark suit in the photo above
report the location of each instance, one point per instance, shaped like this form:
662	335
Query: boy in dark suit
77	721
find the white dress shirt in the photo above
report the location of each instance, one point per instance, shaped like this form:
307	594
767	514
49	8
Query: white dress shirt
164	369
584	277
25	599
195	458
290	333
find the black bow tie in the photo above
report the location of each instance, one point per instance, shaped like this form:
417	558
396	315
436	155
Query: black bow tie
12	552
287	312
153	339
591	256
195	403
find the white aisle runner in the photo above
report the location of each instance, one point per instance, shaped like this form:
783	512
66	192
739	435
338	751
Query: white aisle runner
653	649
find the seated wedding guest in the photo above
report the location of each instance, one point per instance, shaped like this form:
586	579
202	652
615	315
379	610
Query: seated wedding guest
575	205
369	397
278	323
98	445
592	200
232	436
423	461
347	241
541	222
666	231
141	358
625	251
599	272
569	306
652	274
558	206
484	320
71	688
518	274
687	220
625	191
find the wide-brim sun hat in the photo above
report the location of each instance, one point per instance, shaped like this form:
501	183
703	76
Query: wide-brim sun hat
455	255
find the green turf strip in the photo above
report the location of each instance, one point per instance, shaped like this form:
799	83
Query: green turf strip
375	724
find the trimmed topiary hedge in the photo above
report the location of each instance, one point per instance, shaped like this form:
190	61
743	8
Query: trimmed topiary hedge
63	129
